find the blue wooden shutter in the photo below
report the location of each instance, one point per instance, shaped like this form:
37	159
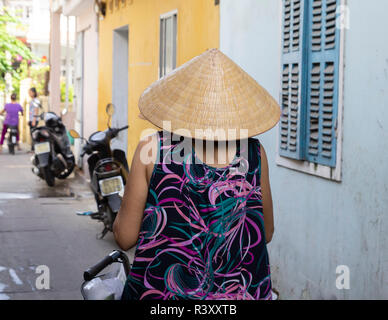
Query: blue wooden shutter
322	84
291	122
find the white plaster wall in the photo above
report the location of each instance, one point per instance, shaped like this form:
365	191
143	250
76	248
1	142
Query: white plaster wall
88	23
320	224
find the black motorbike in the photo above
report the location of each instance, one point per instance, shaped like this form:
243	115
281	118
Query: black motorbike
53	157
12	141
108	171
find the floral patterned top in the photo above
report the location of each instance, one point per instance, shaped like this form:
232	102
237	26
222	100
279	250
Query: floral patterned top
202	235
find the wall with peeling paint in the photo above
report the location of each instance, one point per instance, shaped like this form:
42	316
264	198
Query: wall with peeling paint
319	223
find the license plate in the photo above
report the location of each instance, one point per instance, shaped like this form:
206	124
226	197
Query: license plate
42	147
111	185
13	139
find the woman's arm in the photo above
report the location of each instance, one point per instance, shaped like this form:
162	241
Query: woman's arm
267	197
127	224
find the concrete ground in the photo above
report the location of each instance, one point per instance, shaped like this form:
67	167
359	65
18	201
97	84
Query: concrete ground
39	227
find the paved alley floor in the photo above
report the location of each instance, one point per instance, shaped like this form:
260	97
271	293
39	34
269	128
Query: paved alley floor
39	227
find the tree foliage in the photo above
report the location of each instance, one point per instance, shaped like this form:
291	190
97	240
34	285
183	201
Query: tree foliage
9	43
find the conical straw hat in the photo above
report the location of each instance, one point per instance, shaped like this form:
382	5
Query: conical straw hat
210	92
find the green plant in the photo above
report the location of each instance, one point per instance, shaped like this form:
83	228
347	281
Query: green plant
38	75
63	92
12	50
22	74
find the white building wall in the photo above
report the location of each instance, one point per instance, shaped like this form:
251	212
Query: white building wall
88	24
86	71
321	224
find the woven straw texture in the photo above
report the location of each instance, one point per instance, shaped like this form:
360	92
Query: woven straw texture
210	92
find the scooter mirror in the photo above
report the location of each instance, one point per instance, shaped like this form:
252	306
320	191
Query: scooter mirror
74	134
41	116
110	109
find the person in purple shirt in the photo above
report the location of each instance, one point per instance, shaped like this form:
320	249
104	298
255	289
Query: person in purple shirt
12	118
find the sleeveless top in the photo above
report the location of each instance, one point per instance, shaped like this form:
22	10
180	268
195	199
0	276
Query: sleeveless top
202	235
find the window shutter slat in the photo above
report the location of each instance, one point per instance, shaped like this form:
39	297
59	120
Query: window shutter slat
323	60
292	44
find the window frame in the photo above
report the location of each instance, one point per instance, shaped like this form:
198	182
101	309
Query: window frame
305	166
162	62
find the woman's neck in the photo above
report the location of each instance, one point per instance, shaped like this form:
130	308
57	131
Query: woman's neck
215	153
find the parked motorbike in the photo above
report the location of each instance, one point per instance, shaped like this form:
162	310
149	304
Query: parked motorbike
110	285
12	134
53	157
108	171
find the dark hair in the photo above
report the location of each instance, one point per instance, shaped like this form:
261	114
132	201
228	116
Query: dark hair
33	90
13	96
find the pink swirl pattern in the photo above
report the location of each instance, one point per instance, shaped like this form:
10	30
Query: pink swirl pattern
202	235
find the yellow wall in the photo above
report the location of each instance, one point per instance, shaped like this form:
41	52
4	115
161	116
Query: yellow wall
197	31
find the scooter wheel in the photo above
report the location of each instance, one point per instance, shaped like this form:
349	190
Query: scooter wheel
48	176
11	149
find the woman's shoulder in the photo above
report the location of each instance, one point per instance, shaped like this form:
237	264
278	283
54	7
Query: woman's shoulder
35	102
146	153
154	146
147	148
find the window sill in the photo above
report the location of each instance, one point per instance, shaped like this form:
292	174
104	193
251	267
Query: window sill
333	174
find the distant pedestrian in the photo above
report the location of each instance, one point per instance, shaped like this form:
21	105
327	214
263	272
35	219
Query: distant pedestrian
35	106
12	118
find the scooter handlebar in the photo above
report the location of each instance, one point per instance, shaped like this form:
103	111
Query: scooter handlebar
115	131
124	128
85	150
90	273
114	256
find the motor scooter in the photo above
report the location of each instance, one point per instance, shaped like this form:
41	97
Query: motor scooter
52	157
108	170
12	132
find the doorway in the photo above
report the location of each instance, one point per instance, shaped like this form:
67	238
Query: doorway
120	85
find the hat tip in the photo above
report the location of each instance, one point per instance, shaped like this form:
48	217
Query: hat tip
212	50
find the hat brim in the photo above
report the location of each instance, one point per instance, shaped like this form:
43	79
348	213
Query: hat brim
212	98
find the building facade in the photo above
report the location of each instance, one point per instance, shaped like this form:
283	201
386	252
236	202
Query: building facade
85	68
326	64
61	55
148	38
